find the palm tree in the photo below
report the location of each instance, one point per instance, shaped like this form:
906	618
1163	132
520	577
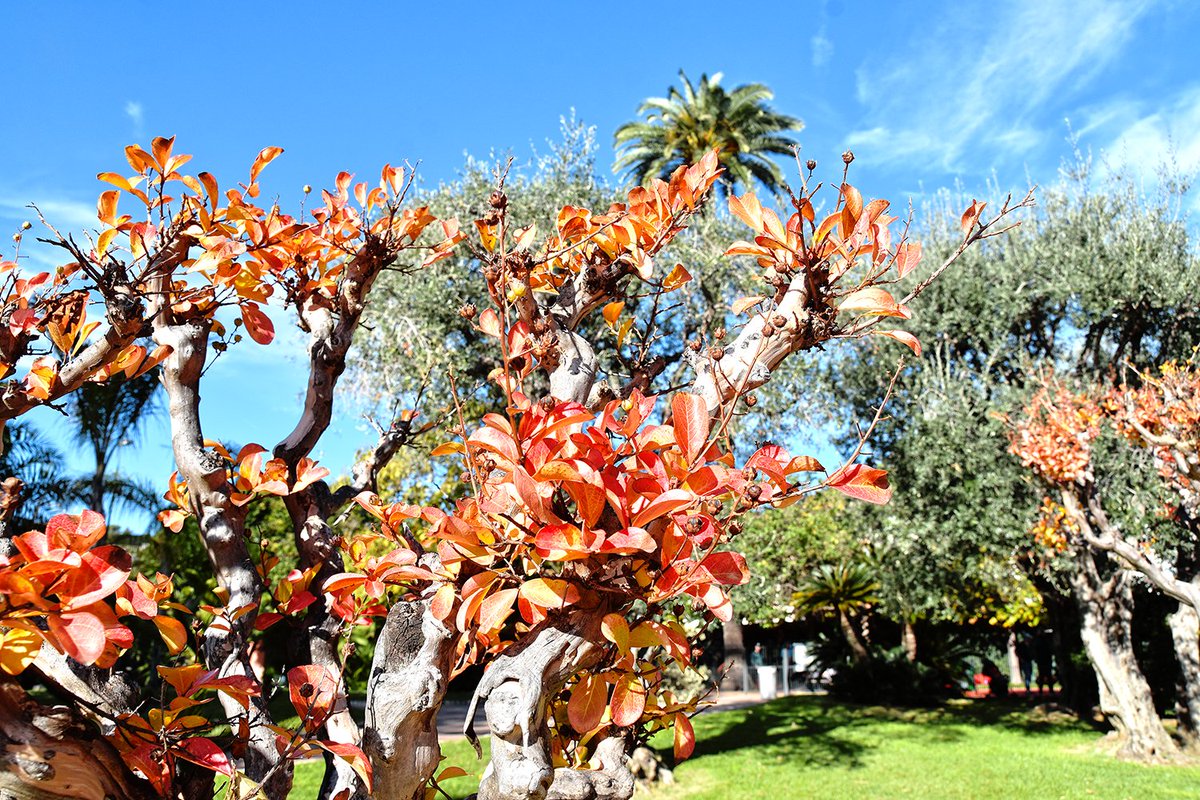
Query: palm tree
689	122
46	489
107	416
839	590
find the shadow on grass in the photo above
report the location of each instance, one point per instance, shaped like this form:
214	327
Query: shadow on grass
816	731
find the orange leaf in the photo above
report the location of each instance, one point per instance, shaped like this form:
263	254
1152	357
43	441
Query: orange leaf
907	257
689	416
628	700
495	609
740	305
612	312
677	277
876	302
588	700
971	215
862	483
173	633
265	156
685	737
549	592
902	336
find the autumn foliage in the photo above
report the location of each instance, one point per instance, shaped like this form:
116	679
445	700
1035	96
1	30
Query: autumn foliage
595	508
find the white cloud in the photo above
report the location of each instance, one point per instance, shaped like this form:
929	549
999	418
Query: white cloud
822	48
975	83
66	215
136	114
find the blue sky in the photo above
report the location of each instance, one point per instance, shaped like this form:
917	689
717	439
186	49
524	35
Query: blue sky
927	94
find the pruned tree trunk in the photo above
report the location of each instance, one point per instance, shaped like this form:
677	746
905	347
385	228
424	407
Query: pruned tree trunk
516	692
1185	632
50	753
734	676
410	671
1106	609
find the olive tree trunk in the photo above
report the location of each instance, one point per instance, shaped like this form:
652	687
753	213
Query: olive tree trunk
1106	611
1185	632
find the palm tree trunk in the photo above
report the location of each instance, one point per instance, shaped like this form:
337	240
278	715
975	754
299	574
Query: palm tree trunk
857	648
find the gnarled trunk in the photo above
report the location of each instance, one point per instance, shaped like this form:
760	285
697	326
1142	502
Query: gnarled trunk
409	674
1185	631
49	753
516	692
1106	609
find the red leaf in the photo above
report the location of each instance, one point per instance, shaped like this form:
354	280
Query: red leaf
689	416
313	689
258	324
727	569
862	483
80	634
206	753
355	757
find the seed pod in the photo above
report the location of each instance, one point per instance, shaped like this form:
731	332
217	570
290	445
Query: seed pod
719	334
779	320
811	164
694	345
716	353
768	329
848	156
468	311
754	491
752	400
497	200
547	403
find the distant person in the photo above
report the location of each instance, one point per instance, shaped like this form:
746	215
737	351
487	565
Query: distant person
1024	648
756	657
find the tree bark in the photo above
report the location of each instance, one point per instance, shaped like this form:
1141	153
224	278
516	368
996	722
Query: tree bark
734	676
1185	630
1106	609
414	657
908	638
857	649
50	754
516	692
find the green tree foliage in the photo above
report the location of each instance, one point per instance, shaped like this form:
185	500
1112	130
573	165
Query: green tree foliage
784	546
691	120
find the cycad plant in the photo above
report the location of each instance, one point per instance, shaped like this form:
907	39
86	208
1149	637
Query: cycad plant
691	120
842	591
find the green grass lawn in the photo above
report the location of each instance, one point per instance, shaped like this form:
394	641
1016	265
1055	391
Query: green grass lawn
811	747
